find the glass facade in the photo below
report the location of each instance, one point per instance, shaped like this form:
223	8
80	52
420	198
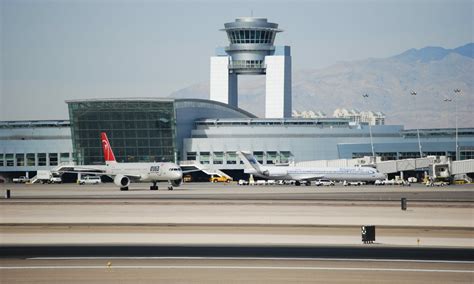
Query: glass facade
138	130
247	64
246	36
231	157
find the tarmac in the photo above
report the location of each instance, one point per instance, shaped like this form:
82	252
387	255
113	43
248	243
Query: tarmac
215	233
230	270
80	220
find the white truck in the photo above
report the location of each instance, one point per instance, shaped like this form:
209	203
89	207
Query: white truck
89	180
47	177
354	183
324	182
21	179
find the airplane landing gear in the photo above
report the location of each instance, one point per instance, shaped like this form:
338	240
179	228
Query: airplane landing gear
124	188
154	186
297	183
170	187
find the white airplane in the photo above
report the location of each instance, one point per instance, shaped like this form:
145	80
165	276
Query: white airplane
124	173
299	174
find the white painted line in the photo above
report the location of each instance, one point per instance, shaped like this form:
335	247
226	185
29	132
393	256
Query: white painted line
234	267
250	258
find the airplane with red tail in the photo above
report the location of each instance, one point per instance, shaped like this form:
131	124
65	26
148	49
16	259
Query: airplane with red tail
125	173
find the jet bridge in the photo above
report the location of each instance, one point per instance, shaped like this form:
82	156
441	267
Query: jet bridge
341	163
442	163
462	167
395	166
438	166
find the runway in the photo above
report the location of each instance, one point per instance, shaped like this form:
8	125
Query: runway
231	270
367	252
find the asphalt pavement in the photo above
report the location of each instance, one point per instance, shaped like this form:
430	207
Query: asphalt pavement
231	270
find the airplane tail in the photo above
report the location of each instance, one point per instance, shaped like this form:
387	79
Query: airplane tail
250	162
109	156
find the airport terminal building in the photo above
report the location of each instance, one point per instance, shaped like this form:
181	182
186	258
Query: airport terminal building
209	132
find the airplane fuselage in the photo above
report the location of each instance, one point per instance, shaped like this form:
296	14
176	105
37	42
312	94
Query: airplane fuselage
147	172
307	173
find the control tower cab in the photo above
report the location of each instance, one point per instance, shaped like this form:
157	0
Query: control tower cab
251	52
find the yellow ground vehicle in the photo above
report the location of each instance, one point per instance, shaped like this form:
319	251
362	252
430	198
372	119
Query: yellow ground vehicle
220	179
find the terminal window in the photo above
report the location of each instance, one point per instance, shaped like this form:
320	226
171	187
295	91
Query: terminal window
218	158
9	160
259	156
1	160
20	159
204	157
272	157
409	155
41	159
53	159
386	156
466	155
285	156
434	153
231	158
30	159
191	156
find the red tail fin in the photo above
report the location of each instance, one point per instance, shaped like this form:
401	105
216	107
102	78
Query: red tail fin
108	153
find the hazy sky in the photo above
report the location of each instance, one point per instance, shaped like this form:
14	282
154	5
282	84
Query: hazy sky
57	50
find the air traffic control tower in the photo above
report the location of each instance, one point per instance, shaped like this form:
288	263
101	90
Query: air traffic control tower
251	52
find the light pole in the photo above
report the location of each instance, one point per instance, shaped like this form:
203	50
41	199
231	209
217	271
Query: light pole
448	100
413	93
457	92
366	96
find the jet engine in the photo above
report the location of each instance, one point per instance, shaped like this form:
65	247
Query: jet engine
176	182
122	181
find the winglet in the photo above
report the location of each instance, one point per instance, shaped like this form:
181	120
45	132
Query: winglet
108	153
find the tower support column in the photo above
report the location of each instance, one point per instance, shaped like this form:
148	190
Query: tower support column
278	86
224	85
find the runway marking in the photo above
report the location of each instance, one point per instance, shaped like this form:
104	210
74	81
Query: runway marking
251	258
235	267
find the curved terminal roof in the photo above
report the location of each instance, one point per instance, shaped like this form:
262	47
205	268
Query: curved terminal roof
34	123
203	102
179	103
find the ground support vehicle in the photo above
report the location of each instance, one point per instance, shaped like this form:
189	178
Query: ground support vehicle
324	182
220	179
89	180
21	179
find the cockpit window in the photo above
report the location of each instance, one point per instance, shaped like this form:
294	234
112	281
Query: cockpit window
175	169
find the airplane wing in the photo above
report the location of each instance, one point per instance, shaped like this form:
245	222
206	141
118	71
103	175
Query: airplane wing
98	173
80	172
81	169
308	177
91	170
